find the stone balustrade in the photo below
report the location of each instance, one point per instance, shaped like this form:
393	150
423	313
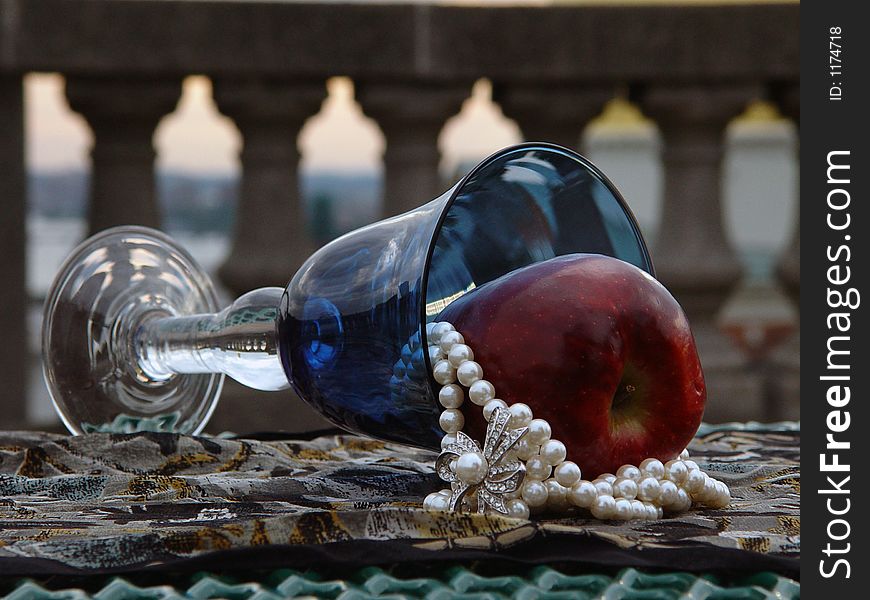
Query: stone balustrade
123	114
694	259
690	68
786	383
270	240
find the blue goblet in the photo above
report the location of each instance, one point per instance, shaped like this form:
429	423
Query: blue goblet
133	339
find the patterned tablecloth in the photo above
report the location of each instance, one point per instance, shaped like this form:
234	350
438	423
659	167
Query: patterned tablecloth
104	503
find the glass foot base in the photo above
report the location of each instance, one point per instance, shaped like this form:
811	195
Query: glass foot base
108	287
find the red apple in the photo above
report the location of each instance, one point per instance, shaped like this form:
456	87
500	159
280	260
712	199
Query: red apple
595	346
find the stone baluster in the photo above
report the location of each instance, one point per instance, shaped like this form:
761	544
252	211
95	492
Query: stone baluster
123	113
789	266
411	116
625	144
786	360
693	256
271	239
552	113
14	351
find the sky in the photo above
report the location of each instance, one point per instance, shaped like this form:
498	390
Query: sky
197	139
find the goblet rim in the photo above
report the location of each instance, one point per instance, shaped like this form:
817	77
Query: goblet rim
483	164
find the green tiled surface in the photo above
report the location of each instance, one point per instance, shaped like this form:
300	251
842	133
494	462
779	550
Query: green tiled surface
438	584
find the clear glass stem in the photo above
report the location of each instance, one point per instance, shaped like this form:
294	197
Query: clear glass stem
240	341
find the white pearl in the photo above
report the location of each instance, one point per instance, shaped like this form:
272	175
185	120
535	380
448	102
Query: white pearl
521	447
517	509
622	510
716	497
625	488
537	468
608	477
443	372
583	494
448	439
676	471
695	481
709	492
553	451
534	493
628	472
603	507
521	415
429	327
459	354
427	501
524	451
439	502
491	406
691	465
649	489
451	420
684	454
439	329
472	467
683	503
450	396
567	473
638	510
603	486
686	500
449	340
539	431
435	354
659	512
652	511
654	467
557	494
469	372
446	492
668	495
481	392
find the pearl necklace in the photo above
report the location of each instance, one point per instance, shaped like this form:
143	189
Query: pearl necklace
522	469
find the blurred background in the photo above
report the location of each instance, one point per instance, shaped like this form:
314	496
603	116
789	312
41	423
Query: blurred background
254	132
